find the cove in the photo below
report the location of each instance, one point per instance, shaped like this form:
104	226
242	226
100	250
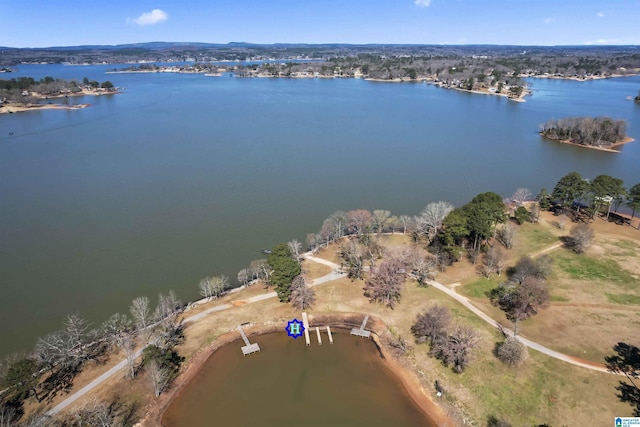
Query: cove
347	383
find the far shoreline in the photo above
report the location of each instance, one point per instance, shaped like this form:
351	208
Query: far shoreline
579	78
11	108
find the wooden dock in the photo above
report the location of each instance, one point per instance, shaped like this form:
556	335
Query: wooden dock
305	322
248	348
330	336
360	331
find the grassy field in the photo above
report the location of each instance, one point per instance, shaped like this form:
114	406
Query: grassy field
531	238
481	287
591	269
595	302
541	391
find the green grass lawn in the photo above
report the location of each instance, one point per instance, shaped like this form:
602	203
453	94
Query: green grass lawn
583	267
626	299
480	287
533	238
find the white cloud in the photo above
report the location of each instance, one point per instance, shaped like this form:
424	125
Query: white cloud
150	18
600	14
548	20
422	3
603	41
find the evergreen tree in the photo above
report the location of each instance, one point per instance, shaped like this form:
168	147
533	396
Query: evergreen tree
285	269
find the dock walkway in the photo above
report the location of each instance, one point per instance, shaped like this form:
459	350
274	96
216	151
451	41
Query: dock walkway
305	321
360	331
248	348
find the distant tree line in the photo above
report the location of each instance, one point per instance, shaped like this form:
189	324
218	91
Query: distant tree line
13	89
595	131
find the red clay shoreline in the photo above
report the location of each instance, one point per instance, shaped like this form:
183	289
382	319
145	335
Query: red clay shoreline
403	373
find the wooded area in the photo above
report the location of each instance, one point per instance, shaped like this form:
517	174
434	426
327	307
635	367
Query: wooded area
596	131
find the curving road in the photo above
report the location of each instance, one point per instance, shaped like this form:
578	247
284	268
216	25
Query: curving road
531	344
465	301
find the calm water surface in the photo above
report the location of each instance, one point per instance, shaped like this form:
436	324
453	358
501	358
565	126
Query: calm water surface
184	176
289	384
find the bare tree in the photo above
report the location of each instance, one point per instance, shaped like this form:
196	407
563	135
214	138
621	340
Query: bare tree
455	349
302	296
581	237
76	329
424	269
140	312
422	266
65	349
526	266
127	344
95	414
371	249
432	216
562	221
520	196
117	326
205	288
405	220
244	277
359	221
168	305
295	247
327	232
506	234
493	261
385	284
313	241
380	220
261	270
159	377
219	285
352	255
432	324
521	301
512	351
54	350
338	221
168	333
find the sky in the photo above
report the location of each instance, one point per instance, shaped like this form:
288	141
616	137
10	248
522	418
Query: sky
45	23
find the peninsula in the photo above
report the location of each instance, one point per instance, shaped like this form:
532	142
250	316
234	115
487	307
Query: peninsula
602	133
28	94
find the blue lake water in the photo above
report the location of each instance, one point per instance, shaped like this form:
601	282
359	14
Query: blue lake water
183	176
